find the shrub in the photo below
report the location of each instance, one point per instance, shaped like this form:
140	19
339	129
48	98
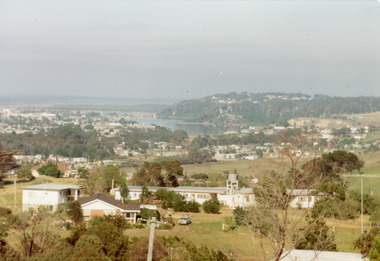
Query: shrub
335	208
192	207
74	210
146	213
375	216
230	224
211	206
161	194
365	242
139	224
239	215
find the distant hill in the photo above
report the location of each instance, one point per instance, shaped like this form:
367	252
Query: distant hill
265	108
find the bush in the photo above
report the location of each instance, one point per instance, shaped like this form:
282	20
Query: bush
239	215
161	194
146	213
139	224
374	254
370	203
230	224
192	207
375	216
365	242
335	208
67	226
170	199
167	226
74	210
211	206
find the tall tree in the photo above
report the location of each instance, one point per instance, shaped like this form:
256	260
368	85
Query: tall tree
110	173
170	171
74	211
7	163
315	235
158	174
24	172
272	217
50	169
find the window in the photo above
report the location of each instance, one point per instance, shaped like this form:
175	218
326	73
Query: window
32	194
302	199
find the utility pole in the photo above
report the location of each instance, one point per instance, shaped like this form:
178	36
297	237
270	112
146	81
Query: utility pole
151	238
361	175
152	226
361	203
15	195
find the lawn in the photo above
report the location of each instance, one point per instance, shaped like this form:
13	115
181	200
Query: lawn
206	229
371	163
242	167
242	242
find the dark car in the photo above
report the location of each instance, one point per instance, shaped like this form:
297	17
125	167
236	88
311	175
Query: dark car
184	220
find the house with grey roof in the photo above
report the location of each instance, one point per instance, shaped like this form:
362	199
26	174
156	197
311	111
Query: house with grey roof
100	205
304	198
48	195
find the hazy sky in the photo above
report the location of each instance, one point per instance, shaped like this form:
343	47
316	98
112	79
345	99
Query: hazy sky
189	49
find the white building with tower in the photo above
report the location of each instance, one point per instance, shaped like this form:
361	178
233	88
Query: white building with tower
230	195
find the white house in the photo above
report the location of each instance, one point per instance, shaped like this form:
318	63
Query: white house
304	198
231	195
222	156
100	205
79	160
48	195
251	157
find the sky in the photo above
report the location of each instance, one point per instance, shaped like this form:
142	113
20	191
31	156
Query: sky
189	49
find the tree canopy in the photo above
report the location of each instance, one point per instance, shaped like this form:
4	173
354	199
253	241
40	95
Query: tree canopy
158	174
7	163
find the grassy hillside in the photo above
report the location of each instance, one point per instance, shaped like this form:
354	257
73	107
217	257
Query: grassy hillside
371	163
245	168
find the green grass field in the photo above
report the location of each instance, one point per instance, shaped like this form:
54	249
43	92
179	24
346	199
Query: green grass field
242	167
242	242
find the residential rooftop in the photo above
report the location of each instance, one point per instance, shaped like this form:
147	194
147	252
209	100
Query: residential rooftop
111	201
56	187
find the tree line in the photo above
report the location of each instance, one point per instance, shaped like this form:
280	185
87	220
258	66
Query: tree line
67	141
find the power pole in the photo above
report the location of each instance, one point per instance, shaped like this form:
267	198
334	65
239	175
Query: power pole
361	175
15	194
151	238
152	226
361	203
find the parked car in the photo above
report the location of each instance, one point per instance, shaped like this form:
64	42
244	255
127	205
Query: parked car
184	220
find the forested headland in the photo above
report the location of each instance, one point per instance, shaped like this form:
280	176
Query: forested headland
266	108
